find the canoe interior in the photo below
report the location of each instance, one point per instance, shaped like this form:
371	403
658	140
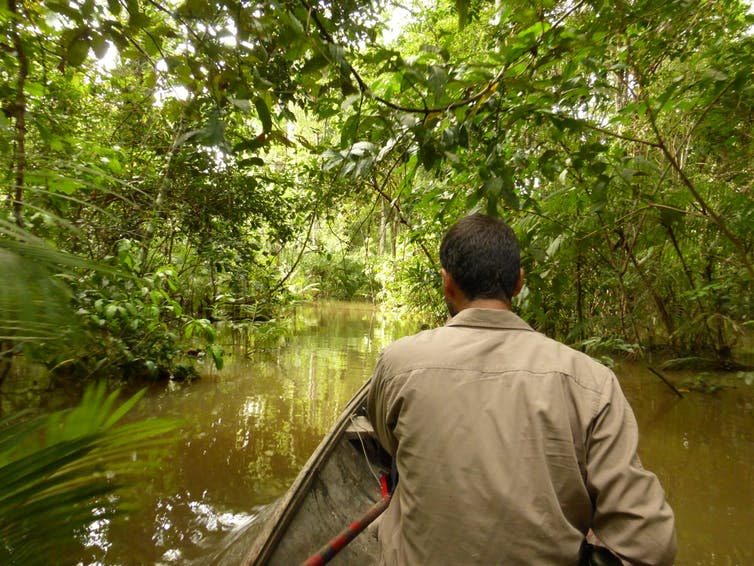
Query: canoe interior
339	483
342	491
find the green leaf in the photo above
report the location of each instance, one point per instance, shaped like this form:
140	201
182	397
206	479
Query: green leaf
338	54
114	6
51	472
184	74
314	64
100	45
250	144
35	89
124	408
716	74
473	199
216	352
264	113
294	23
213	133
537	29
65	186
437	80
598	192
78	49
251	161
138	19
508	191
670	216
240	103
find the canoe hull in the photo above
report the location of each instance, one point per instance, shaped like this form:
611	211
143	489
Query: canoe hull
339	483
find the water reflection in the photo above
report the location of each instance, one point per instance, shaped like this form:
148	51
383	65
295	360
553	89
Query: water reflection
702	449
250	428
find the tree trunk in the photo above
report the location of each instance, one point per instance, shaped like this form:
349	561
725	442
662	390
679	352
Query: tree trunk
659	303
18	111
383	227
579	297
6	364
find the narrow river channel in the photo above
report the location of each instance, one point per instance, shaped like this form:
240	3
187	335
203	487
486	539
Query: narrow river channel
250	428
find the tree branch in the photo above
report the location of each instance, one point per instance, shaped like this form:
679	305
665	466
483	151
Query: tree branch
716	218
300	256
489	88
380	190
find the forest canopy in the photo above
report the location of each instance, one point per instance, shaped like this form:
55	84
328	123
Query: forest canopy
167	165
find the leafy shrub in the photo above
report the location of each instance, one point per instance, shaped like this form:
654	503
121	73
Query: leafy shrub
126	324
341	278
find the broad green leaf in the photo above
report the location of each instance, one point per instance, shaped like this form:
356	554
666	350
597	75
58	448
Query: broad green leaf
124	408
314	64
78	49
216	351
251	161
35	89
437	80
264	113
114	6
100	45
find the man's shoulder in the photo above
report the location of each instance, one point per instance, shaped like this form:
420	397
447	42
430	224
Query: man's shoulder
408	344
515	350
554	356
413	350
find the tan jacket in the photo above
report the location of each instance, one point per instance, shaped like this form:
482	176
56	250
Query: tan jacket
510	447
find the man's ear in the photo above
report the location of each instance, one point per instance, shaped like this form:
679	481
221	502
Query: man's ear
446	278
449	285
519	283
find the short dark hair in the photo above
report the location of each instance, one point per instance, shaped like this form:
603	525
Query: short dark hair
482	255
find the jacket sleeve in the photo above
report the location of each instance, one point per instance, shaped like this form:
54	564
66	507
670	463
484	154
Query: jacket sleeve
631	515
378	403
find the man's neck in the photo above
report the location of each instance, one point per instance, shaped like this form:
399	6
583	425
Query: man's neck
495	304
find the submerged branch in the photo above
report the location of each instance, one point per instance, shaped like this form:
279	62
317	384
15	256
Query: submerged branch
666	382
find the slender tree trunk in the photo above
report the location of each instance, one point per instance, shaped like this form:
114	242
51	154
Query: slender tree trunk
579	297
6	364
18	164
171	241
383	227
159	200
394	234
626	301
689	277
659	303
19	113
677	248
719	342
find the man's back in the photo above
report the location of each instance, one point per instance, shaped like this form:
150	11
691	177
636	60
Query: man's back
509	446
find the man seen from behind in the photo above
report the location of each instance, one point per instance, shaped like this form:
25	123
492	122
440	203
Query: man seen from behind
509	446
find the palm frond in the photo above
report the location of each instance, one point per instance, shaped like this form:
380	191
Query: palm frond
34	299
59	472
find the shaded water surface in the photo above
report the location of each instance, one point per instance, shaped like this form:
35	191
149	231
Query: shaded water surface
251	427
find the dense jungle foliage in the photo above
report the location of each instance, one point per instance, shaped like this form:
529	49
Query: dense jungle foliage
170	165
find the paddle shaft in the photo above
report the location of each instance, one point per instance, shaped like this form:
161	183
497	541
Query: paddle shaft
327	552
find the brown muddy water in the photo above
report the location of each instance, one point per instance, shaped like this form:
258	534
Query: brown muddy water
252	426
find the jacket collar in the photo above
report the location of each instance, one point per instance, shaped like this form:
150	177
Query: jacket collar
489	318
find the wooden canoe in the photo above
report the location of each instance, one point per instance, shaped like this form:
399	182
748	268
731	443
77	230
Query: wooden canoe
338	484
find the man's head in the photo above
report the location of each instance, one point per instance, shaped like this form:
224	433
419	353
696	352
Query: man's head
480	258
